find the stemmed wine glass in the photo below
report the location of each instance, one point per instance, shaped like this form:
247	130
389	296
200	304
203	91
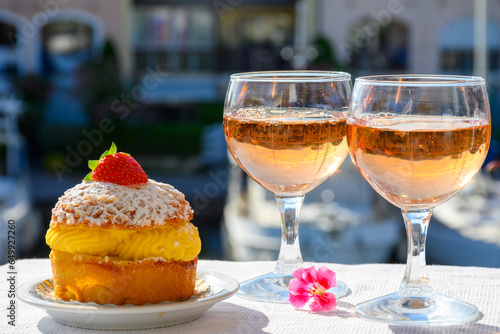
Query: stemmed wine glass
286	130
418	140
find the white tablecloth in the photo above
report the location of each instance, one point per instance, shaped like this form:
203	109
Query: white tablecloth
478	286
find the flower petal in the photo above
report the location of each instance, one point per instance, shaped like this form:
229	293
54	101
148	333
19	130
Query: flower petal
312	275
298	300
326	278
324	302
298	273
304	273
297	287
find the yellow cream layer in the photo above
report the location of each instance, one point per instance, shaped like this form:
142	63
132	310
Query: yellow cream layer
179	242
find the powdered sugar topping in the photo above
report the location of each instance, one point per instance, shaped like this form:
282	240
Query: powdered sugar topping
96	203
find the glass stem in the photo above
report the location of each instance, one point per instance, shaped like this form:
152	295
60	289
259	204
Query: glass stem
416	280
290	257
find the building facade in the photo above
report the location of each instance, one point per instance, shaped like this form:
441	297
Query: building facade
199	42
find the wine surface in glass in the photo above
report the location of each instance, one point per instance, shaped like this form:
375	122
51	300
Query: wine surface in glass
288	153
418	162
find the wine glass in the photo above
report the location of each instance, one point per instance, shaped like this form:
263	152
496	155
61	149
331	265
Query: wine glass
418	140
286	130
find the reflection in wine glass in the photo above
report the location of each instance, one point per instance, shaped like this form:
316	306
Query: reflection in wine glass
286	130
418	140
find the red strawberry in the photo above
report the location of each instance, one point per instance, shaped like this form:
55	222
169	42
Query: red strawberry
119	168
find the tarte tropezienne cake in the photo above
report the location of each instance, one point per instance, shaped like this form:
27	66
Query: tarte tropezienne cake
121	238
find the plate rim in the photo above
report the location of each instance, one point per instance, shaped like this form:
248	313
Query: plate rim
230	287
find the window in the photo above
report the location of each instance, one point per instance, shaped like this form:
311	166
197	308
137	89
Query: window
252	38
67	37
70	39
456	42
379	47
174	38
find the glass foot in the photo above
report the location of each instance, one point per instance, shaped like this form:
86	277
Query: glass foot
272	288
432	310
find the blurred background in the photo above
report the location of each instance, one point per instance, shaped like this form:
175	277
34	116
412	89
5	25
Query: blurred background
151	76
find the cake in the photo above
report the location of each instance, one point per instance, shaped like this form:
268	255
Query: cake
122	239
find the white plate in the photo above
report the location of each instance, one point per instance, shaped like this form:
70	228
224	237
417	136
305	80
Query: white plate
95	316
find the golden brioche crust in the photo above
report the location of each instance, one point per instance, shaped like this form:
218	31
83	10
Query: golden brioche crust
107	280
106	205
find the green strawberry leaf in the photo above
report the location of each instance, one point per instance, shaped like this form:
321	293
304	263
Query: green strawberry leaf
88	177
112	150
93	164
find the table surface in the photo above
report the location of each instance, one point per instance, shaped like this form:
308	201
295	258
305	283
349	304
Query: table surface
478	286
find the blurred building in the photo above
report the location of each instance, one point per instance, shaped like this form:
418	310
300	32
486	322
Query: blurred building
196	41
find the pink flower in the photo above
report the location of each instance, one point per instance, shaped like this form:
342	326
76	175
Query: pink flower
309	282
